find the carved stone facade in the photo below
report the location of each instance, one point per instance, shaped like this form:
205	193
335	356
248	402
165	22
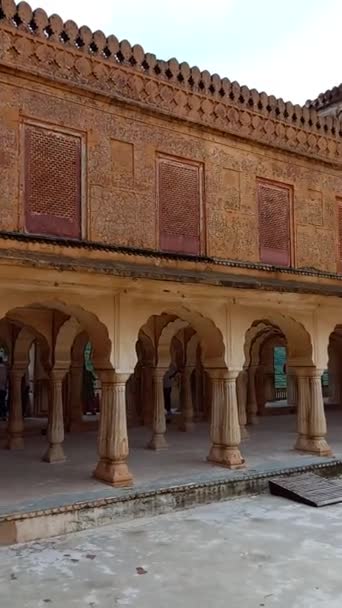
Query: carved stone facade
151	291
50	70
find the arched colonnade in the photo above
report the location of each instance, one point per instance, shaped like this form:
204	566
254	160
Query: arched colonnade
219	356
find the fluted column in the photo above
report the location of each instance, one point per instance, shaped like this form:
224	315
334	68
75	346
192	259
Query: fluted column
15	438
252	405
41	397
187	414
261	386
217	399
199	389
55	451
311	420
147	395
334	389
269	385
334	381
317	420
225	429
158	441
292	389
303	407
76	405
241	394
112	434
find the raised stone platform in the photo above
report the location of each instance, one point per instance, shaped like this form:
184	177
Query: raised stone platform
72	513
38	500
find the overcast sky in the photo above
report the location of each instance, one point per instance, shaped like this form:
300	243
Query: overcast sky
290	48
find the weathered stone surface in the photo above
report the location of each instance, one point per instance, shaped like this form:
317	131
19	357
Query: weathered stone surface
121	141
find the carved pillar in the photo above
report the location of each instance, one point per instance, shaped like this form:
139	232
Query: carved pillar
112	434
15	440
268	385
199	390
334	380
55	451
252	405
310	416
303	407
262	389
292	390
187	415
241	394
317	421
41	398
158	441
75	395
147	395
225	429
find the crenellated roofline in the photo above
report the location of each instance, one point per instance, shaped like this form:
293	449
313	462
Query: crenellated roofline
326	99
31	42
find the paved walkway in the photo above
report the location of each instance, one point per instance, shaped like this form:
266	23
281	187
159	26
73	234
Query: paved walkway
247	553
27	483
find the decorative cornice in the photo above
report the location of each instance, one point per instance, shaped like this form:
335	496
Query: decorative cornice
46	47
325	99
155	257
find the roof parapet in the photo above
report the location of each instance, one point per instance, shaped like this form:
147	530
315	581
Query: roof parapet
46	46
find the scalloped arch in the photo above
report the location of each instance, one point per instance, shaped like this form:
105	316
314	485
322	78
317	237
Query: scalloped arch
88	322
210	336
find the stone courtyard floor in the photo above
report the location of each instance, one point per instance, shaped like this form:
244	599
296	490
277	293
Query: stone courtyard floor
247	553
27	483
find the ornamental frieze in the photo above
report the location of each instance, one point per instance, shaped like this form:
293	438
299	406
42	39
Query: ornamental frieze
46	47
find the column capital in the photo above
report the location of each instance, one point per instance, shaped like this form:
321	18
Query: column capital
216	373
58	374
147	365
17	371
308	372
159	372
223	374
76	366
232	374
188	369
110	376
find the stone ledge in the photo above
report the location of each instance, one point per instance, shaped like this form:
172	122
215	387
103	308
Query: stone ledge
23	526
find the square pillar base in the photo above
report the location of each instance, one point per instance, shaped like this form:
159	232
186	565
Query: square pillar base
158	442
55	453
313	445
186	426
228	457
15	443
252	419
115	474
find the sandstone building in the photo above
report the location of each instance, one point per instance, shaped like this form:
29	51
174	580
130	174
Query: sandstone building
162	214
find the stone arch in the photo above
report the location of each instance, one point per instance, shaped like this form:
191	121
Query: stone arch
177	352
191	350
23	343
255	335
300	352
145	349
210	336
7	337
334	366
65	339
77	351
87	320
259	342
164	343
